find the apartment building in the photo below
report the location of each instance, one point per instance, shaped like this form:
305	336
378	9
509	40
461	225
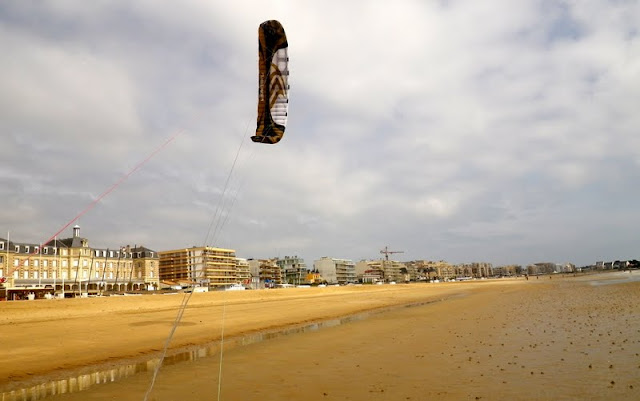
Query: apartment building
265	273
336	271
205	266
293	268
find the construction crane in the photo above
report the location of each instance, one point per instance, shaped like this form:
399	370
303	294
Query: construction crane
387	252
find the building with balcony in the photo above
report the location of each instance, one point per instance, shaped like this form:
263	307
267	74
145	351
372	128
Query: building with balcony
203	266
293	268
336	271
265	273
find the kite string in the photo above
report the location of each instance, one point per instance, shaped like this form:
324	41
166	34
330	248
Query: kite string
181	309
217	230
186	299
110	189
219	209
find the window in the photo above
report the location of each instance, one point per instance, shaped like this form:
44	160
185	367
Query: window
85	274
25	262
64	263
45	263
110	254
75	263
26	249
16	262
15	274
35	274
1	246
44	274
54	263
46	250
84	263
110	274
97	275
110	265
65	275
17	248
25	274
35	263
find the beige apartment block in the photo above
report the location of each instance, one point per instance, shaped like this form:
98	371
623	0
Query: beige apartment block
206	266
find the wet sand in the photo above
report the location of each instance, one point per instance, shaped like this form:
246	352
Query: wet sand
546	339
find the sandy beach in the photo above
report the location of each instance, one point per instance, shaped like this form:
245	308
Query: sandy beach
571	338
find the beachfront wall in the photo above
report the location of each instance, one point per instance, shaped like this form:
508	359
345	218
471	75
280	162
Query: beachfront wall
336	271
206	266
72	265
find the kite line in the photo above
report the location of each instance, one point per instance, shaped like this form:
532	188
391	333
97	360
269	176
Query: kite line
111	188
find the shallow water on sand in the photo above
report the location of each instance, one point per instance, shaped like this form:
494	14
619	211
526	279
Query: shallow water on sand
552	339
91	377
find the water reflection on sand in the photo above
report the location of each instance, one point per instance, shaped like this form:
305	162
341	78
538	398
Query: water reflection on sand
78	382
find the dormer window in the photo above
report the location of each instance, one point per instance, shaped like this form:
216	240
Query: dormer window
26	249
46	250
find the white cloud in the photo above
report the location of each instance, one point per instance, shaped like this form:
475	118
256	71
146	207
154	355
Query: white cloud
459	129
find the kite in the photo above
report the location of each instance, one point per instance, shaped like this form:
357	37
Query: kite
273	86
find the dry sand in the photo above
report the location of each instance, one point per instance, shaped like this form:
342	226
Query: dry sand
545	339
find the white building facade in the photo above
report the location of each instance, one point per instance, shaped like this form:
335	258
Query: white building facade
336	271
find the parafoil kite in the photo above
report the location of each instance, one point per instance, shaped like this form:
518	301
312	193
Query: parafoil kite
273	86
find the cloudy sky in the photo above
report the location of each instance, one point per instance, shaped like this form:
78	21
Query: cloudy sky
498	131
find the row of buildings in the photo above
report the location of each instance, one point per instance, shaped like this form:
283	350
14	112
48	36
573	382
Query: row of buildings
72	266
